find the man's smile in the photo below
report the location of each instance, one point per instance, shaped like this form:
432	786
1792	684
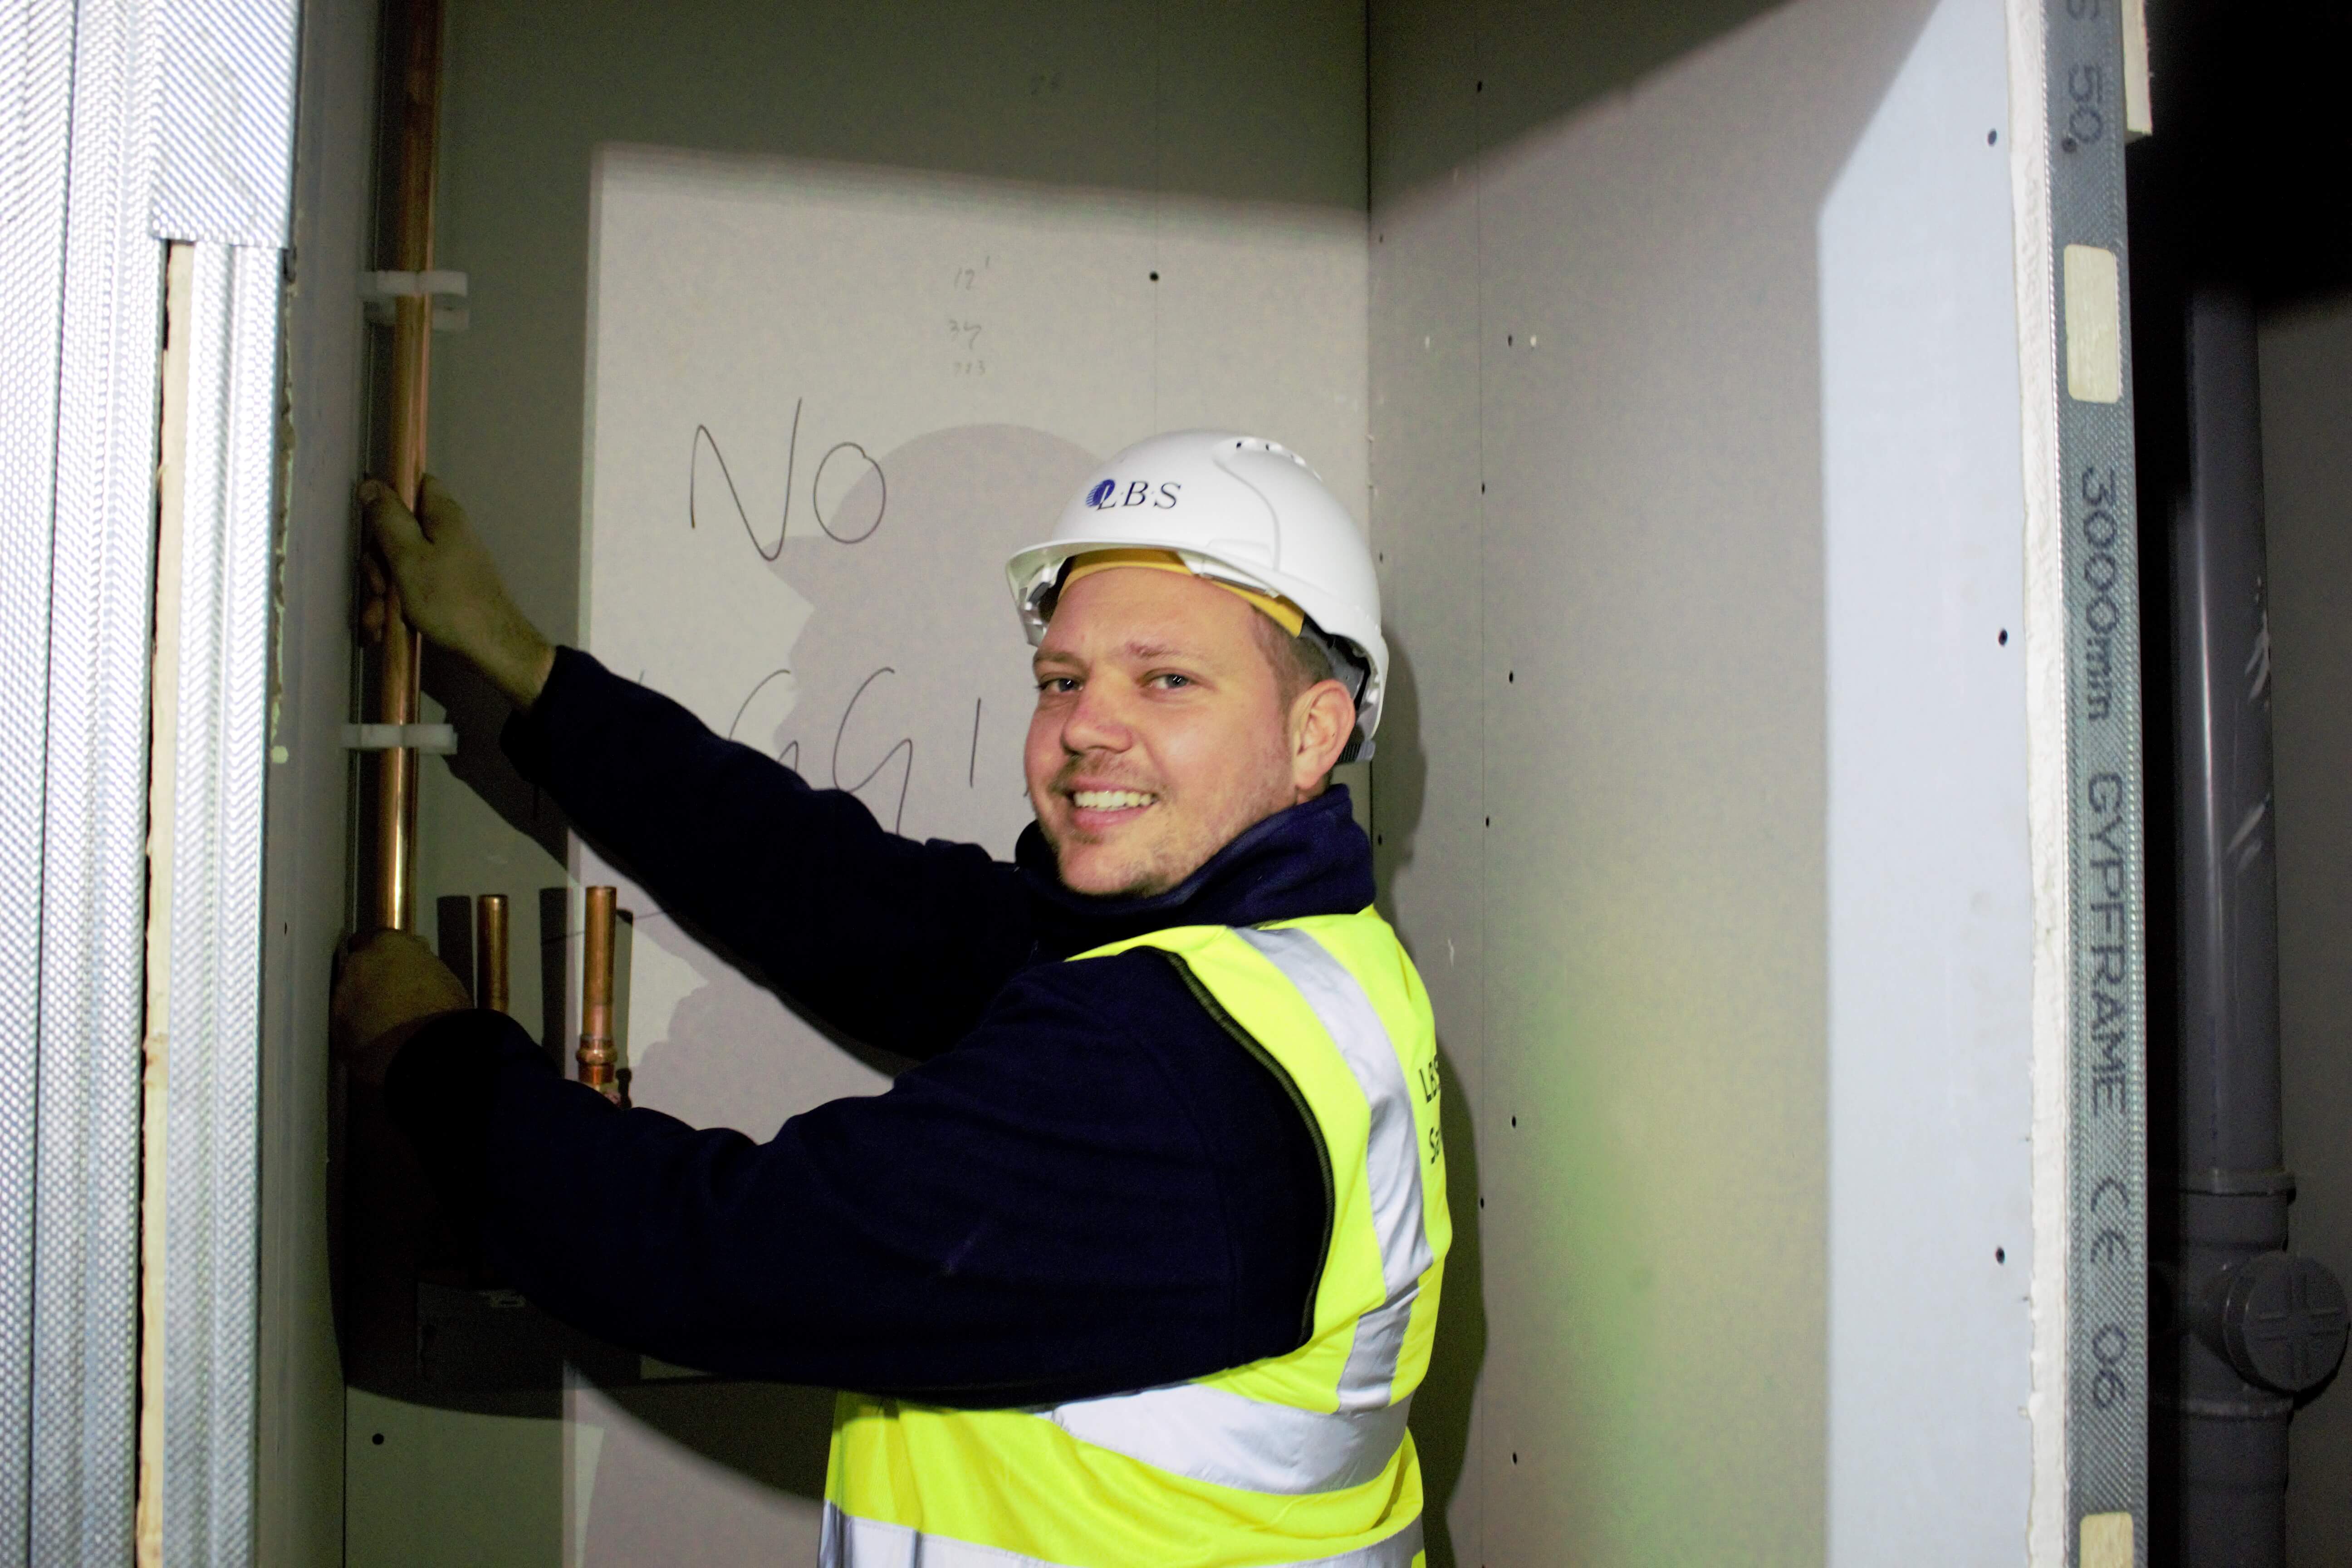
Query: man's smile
1101	809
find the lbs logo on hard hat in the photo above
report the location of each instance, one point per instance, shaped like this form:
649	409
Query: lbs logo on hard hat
1110	496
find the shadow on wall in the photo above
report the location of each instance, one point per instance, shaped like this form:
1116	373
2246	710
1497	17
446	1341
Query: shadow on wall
1441	1409
479	712
759	1452
1403	776
1533	64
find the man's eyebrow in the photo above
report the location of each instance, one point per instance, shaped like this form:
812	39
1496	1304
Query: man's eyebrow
1148	651
1139	651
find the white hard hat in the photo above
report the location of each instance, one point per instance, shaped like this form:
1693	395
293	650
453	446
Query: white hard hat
1237	510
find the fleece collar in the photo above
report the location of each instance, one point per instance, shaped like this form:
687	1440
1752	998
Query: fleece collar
1311	859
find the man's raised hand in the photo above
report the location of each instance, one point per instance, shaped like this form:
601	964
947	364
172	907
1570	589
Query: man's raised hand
449	588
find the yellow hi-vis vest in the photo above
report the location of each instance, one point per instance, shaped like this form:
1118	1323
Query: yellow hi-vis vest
1299	1460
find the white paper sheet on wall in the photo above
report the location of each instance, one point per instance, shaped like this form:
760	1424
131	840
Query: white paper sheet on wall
825	405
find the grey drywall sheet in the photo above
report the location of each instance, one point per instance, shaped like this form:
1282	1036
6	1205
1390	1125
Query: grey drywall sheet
1931	908
1258	105
299	1448
1179	98
798	519
2306	385
1429	773
1598	371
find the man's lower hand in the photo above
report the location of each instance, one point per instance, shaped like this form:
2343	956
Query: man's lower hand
387	984
449	588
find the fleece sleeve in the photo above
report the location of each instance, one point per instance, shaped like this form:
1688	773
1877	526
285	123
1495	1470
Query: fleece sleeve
890	941
1097	1189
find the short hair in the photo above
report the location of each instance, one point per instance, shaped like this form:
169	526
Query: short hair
1298	662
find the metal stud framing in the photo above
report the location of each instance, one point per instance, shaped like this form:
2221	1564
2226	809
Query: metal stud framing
39	74
89	191
2107	1318
94	824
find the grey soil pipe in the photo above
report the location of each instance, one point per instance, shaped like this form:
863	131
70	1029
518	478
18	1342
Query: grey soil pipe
2251	1327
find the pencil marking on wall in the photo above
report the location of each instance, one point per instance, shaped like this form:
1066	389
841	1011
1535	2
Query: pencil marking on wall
857	531
703	437
905	744
881	495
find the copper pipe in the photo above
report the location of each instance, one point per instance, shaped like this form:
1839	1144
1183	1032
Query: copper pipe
596	1054
401	657
490	952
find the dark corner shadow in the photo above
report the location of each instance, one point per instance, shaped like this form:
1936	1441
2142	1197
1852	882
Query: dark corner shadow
1441	1409
452	931
776	1435
479	712
1400	774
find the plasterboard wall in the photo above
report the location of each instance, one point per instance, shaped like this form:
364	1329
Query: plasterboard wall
298	1478
1697	486
1603	335
1200	103
1223	100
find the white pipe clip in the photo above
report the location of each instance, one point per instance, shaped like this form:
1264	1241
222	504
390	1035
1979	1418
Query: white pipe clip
441	740
379	289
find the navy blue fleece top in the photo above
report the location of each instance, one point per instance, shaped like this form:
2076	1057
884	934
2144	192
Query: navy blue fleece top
1090	1181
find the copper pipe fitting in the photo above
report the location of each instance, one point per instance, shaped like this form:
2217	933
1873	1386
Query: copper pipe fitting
490	953
400	658
596	1056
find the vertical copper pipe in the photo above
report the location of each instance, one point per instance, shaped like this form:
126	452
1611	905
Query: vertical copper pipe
596	1054
490	952
400	658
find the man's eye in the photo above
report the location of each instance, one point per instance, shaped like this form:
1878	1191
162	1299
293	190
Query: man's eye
1060	685
1171	680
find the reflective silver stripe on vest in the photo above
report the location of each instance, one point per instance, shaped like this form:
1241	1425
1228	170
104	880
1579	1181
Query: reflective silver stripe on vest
852	1543
1391	1156
1213	1435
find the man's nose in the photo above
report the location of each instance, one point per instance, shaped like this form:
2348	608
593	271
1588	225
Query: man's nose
1096	723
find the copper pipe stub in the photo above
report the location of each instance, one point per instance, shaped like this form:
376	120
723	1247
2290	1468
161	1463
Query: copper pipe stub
490	953
596	1054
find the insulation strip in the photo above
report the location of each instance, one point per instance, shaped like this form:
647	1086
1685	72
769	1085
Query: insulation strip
85	1264
212	1123
39	74
2106	1313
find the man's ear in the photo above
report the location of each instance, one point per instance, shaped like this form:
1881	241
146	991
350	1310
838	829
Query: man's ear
1321	719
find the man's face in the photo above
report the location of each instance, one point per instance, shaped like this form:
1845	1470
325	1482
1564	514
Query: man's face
1161	732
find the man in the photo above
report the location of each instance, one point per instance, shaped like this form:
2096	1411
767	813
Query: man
1139	1264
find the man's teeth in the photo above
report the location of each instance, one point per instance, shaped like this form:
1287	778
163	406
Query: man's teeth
1109	799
